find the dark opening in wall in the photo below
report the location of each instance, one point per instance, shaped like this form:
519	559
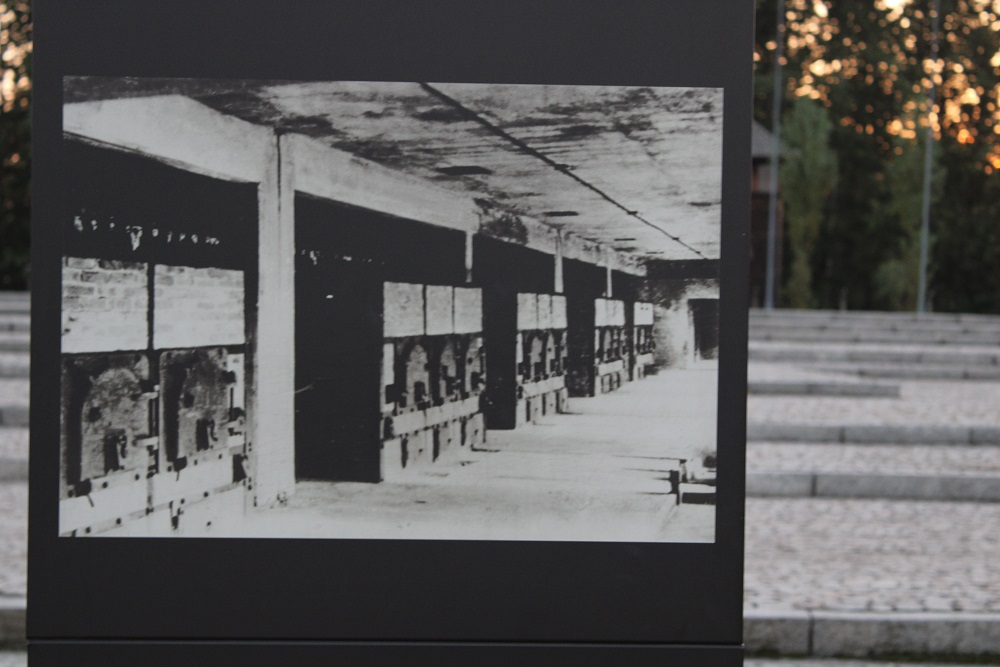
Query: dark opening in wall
503	270
343	256
705	314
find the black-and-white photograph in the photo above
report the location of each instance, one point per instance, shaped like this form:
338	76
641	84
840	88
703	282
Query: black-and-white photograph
390	310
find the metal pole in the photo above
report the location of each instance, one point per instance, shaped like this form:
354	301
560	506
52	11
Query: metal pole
772	209
925	218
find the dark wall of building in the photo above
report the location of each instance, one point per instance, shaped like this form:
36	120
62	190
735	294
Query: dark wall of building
343	256
502	270
127	207
159	284
626	287
583	283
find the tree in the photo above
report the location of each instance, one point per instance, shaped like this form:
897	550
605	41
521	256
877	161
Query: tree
868	62
898	276
15	138
808	177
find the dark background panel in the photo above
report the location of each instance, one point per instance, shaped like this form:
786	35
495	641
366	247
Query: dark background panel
121	588
258	654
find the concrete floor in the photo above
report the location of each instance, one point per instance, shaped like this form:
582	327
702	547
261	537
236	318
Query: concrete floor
599	473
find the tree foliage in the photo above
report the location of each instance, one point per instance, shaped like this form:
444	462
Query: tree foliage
808	177
868	63
15	137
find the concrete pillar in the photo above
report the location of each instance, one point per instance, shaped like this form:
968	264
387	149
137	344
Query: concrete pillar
468	256
274	368
559	287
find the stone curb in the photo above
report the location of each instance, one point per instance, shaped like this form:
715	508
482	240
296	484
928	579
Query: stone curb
14	416
816	335
914	372
845	389
12	621
15	370
966	488
884	356
866	315
14	322
860	634
789	632
13	470
873	434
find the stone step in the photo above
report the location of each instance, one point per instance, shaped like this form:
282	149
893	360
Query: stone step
807	388
14	415
14	443
14	365
697	494
14	322
15	302
950	635
871	577
916	372
873	433
875	317
13	470
937	487
14	341
873	324
903	337
798	352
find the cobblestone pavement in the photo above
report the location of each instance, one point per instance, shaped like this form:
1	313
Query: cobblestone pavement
920	403
872	555
13	538
13	443
881	459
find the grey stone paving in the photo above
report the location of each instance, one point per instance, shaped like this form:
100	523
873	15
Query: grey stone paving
883	459
872	555
14	364
13	538
920	403
13	659
14	443
14	391
829	351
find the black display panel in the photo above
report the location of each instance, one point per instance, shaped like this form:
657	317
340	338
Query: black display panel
174	579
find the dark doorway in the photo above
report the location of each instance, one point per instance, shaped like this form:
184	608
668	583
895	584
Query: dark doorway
705	316
343	255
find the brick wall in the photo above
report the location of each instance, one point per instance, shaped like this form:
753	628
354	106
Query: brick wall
104	304
197	307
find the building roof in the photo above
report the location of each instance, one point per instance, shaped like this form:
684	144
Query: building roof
634	168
